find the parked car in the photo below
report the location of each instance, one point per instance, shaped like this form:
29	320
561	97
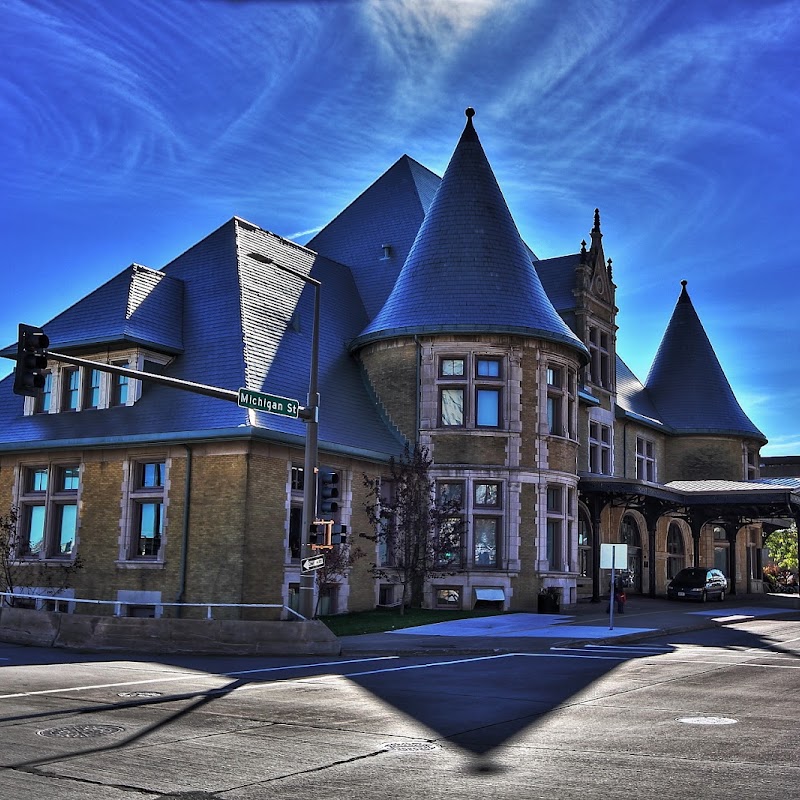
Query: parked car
698	583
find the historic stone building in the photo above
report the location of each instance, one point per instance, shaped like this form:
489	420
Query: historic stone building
440	326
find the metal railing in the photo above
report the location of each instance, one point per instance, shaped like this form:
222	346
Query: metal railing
118	604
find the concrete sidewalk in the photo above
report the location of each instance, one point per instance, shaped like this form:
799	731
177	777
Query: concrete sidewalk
644	617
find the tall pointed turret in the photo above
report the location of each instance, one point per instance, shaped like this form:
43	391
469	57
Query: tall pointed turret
687	383
468	269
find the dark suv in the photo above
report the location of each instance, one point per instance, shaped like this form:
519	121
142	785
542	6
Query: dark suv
698	583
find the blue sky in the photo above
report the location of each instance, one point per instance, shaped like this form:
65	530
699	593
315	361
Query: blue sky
134	128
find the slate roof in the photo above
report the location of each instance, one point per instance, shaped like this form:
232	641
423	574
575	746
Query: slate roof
244	324
139	306
468	269
389	212
686	382
633	400
558	280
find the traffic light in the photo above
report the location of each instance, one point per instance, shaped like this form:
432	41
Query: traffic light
328	492
338	534
31	361
320	534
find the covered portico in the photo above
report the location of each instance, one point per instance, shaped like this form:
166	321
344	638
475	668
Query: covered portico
727	505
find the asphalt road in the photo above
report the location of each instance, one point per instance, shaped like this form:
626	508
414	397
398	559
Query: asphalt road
706	714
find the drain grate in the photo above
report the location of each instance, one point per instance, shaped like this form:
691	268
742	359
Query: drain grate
138	694
80	731
410	747
707	720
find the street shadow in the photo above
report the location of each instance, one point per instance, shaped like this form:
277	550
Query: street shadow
475	703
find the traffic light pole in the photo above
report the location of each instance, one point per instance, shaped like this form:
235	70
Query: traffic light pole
310	467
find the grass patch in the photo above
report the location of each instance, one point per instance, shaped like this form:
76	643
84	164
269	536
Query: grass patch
386	619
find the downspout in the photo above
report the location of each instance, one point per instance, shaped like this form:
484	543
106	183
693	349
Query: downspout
187	495
419	389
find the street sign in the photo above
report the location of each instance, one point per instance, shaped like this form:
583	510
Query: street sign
271	403
310	564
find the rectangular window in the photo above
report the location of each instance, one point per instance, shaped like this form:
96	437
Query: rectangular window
452	407
645	459
485	531
451	367
92	389
599	358
488	368
295	531
600	448
448	597
147	496
556	522
48	511
450	499
488	408
470	391
119	388
147	537
44	400
71	383
487	495
558	406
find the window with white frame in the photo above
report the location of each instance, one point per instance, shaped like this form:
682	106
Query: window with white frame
43	402
600	448
561	391
470	390
48	511
645	459
71	388
146	510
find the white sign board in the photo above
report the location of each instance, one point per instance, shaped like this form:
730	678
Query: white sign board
613	556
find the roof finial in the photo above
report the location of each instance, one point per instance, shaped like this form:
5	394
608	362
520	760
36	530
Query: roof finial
610	274
470	112
597	219
683	283
583	251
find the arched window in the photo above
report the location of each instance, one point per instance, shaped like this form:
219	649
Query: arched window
629	532
676	552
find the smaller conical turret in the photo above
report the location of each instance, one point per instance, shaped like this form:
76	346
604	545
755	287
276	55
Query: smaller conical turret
687	384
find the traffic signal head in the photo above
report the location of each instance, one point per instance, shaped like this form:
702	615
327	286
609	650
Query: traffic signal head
328	492
339	534
319	536
31	360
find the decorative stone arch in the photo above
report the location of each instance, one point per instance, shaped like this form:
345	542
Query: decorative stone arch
633	532
675	547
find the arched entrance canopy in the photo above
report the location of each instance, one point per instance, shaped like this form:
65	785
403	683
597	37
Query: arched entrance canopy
730	503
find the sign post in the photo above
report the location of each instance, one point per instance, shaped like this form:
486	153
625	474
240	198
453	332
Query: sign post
613	557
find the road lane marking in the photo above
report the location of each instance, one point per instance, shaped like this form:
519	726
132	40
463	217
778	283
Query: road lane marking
192	676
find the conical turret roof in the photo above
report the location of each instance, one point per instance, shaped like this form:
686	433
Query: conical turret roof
468	270
687	384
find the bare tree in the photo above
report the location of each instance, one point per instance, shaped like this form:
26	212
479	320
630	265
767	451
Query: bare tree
16	573
338	561
418	534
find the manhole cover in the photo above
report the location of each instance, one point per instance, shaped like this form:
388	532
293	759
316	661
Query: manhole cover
80	731
138	694
707	720
410	747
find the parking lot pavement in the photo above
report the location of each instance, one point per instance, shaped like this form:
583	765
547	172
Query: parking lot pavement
587	622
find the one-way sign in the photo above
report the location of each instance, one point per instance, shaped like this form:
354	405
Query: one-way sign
310	564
